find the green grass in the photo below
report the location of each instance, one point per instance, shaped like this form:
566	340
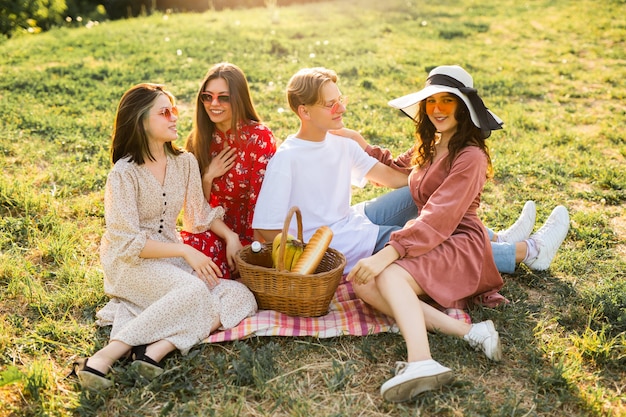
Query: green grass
553	70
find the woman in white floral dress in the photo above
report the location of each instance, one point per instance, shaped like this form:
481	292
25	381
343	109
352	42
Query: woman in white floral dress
165	295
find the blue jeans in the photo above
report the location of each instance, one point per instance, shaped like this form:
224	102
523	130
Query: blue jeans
391	211
503	254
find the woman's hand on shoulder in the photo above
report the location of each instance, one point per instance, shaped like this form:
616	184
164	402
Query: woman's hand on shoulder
351	134
203	266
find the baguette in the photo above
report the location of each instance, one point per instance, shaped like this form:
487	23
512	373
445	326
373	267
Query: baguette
314	251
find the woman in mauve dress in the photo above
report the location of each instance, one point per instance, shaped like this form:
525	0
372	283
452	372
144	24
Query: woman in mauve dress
233	148
165	295
445	253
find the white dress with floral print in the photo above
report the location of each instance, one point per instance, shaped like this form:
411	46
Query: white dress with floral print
161	299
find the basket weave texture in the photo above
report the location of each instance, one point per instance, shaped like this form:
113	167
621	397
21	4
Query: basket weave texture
288	292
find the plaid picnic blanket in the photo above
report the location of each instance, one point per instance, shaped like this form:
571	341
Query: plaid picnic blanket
348	315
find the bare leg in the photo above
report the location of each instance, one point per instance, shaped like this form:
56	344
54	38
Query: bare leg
370	294
158	350
103	359
420	373
520	251
395	292
439	321
399	294
406	309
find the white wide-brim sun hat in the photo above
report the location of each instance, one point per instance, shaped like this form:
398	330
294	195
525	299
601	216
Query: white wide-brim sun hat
455	78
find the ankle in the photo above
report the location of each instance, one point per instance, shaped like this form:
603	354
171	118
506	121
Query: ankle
419	358
159	350
100	363
531	250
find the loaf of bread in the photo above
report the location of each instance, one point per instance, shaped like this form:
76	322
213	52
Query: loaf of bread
314	251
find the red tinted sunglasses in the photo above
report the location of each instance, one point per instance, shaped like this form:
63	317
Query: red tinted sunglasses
167	112
208	98
334	107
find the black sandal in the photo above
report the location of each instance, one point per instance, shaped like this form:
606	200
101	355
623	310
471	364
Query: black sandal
88	377
143	364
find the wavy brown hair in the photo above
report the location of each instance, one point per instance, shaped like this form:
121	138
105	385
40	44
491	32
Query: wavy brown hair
129	135
203	129
467	134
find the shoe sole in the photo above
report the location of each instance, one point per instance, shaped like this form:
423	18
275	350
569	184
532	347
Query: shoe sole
411	388
496	355
146	369
92	381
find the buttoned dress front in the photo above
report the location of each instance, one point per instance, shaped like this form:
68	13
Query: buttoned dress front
447	249
161	299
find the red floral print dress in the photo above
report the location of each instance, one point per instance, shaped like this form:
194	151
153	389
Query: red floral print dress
237	190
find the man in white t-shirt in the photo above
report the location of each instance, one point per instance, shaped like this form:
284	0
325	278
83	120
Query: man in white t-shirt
314	170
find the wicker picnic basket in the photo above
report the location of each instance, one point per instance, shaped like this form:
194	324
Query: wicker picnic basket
288	292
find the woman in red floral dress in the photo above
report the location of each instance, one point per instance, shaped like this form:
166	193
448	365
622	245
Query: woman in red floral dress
233	148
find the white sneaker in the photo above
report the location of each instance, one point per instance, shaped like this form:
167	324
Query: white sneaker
523	227
549	238
413	378
483	336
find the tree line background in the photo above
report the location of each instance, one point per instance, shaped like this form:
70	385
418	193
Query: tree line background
33	16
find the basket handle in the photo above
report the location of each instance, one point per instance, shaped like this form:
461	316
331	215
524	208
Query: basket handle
283	238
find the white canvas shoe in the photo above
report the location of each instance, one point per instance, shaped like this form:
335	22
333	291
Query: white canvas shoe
549	239
483	336
523	226
413	378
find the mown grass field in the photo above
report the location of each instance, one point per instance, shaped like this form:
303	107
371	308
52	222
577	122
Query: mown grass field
555	71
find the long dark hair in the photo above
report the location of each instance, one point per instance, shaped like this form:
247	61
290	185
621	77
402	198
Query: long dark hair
129	135
201	136
467	134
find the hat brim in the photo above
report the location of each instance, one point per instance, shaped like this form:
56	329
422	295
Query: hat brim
409	104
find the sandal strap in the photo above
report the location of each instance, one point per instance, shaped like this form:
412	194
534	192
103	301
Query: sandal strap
81	365
138	353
